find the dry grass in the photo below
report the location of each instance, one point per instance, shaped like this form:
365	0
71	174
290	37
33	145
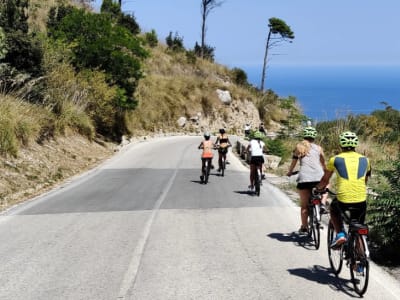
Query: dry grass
20	123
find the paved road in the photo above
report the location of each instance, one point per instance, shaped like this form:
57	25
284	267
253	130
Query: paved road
141	226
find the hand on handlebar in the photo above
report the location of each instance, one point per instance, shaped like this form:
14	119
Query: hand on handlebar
316	191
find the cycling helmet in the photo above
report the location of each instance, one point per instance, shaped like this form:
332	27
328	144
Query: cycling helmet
309	132
222	131
348	139
258	135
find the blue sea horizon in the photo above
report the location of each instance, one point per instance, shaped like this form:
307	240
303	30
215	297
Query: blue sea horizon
331	92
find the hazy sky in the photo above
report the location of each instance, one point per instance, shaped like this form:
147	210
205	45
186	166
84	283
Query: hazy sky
326	32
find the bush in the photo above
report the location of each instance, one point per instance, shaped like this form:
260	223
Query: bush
175	43
191	57
384	213
277	147
151	38
20	122
97	43
208	51
239	76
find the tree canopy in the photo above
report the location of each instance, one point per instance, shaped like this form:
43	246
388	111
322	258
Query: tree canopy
278	32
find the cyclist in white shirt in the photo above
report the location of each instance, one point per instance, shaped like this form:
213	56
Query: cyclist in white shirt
256	149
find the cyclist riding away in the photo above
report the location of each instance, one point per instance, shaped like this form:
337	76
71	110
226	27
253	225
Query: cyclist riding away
312	166
256	149
222	143
247	128
352	171
207	155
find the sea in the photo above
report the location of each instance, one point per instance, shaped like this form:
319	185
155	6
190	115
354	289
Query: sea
332	92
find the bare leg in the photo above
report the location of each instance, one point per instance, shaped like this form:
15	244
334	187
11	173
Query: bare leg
304	196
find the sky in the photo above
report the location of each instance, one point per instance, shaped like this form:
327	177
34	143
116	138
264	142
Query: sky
341	32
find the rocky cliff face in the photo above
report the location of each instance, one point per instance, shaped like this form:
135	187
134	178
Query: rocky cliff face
231	114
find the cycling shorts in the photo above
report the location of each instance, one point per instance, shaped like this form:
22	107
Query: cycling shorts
357	210
223	150
257	160
307	185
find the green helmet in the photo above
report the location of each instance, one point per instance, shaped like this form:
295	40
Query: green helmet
309	132
348	139
258	135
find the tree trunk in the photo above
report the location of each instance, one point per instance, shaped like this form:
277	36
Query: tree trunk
203	29
265	61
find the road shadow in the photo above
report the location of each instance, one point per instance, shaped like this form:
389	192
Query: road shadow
246	192
285	237
302	240
323	275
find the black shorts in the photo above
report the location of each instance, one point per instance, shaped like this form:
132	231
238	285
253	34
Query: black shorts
257	160
307	185
357	210
223	150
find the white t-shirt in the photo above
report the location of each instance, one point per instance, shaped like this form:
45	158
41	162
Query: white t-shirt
256	147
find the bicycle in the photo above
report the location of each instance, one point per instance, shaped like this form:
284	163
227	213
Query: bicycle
314	218
206	170
257	181
222	163
355	251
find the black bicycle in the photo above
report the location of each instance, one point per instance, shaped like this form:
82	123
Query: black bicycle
223	165
222	159
206	170
355	252
257	181
314	218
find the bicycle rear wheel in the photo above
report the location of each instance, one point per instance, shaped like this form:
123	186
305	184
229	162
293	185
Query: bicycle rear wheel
335	256
208	168
223	166
257	183
359	266
315	227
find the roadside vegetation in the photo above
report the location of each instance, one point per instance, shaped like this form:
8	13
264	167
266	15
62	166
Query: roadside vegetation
65	69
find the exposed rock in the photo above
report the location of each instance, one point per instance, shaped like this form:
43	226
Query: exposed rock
224	96
181	121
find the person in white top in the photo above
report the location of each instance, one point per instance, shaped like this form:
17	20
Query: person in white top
247	128
312	165
256	149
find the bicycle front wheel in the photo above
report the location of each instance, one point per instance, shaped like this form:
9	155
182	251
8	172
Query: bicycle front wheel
315	227
359	266
335	256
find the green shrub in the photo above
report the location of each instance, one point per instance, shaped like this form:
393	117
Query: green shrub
239	76
384	213
174	43
208	51
277	147
97	43
191	57
151	38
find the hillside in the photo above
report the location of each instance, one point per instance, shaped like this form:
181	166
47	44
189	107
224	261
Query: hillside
75	125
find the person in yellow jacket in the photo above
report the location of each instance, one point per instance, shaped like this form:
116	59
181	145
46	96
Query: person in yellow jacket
352	172
207	155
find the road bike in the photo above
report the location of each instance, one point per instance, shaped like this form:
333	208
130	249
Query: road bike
314	218
354	251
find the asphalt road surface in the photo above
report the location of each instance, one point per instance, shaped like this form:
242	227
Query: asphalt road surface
141	226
